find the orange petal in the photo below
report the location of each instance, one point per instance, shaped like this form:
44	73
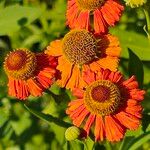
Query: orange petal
83	20
72	13
99	129
100	24
78	92
106	63
22	90
12	87
128	120
131	83
88	76
114	131
75	80
89	123
75	113
76	104
55	48
116	77
34	87
137	94
65	67
78	120
18	88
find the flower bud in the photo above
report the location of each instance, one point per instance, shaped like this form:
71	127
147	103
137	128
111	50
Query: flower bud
135	3
72	133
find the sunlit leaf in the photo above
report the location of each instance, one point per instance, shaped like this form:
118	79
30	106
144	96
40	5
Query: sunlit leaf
137	42
13	17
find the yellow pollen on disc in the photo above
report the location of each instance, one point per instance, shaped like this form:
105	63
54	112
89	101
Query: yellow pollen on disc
79	46
102	97
89	4
20	64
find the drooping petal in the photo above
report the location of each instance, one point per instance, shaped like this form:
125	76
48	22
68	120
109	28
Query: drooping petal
131	83
129	121
75	79
114	130
99	129
100	25
65	75
34	88
83	20
89	123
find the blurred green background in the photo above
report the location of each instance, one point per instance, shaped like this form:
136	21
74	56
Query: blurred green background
34	24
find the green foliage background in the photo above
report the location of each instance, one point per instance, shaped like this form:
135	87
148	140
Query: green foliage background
33	24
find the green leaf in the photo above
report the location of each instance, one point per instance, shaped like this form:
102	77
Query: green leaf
136	67
48	118
2	2
13	17
89	144
3	117
125	142
137	142
21	125
146	120
129	39
74	145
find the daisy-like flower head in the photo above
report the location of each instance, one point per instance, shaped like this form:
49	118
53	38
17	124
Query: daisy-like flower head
135	3
79	50
95	15
107	106
29	73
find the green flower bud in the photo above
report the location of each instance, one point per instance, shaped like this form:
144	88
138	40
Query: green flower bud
72	133
135	3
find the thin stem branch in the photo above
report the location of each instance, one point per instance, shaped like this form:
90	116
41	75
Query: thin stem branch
147	16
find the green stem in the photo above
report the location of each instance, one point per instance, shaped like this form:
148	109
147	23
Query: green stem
109	146
147	16
85	146
122	144
49	118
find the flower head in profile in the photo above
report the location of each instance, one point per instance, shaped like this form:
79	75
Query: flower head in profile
135	3
93	14
109	104
29	73
79	50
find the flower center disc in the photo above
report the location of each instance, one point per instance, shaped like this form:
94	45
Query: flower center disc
102	97
16	60
79	46
89	4
20	64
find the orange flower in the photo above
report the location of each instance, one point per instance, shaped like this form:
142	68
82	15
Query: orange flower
109	103
97	14
29	73
80	50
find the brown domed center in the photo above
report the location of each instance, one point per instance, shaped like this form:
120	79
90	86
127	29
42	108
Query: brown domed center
100	93
89	4
20	64
16	60
79	46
